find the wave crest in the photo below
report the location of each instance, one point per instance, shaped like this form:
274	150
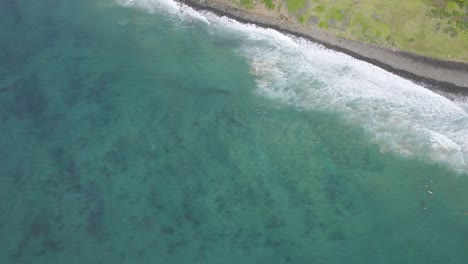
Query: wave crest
399	115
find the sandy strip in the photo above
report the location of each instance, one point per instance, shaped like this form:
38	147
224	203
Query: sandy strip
449	78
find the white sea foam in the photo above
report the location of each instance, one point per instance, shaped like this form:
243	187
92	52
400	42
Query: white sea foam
399	115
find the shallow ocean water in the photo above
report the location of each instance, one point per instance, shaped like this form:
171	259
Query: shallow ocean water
145	132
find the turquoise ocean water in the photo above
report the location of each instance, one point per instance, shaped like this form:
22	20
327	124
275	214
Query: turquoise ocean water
146	132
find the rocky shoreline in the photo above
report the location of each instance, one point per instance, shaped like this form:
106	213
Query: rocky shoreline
446	77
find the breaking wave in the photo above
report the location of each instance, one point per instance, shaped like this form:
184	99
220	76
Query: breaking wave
399	115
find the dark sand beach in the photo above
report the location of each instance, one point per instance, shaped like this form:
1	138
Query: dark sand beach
446	77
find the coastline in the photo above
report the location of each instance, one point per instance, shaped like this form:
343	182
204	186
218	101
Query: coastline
445	77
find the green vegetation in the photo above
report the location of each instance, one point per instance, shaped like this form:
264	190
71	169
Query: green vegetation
434	28
455	12
323	24
319	8
336	14
247	4
269	4
391	40
302	19
294	5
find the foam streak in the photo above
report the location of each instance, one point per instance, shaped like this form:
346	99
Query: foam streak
399	115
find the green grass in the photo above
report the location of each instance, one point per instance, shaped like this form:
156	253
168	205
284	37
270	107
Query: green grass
455	12
319	8
302	19
436	29
295	5
247	4
336	14
323	24
269	4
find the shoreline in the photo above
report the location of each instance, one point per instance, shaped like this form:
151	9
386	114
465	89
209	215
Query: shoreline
444	77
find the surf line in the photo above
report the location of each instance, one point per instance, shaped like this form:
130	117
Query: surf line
397	62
